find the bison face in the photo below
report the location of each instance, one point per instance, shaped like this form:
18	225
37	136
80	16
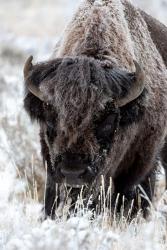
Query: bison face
77	102
78	154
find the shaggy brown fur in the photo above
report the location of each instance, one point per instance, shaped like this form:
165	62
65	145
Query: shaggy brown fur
89	70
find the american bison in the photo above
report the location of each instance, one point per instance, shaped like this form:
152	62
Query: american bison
101	103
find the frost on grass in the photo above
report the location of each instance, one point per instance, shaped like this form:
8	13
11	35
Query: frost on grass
79	232
22	176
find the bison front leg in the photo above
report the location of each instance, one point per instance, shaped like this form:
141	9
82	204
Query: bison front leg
50	195
132	198
50	198
146	192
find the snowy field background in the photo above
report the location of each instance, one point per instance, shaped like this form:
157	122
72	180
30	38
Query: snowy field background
33	27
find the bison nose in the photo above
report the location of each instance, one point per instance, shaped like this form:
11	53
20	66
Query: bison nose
72	173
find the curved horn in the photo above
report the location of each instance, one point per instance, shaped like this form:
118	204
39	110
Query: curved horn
136	88
28	67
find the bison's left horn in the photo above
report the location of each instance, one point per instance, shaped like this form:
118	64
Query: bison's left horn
28	67
136	88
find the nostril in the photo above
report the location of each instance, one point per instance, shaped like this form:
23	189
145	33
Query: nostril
81	176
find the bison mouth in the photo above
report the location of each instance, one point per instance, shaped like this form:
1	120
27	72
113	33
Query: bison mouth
74	172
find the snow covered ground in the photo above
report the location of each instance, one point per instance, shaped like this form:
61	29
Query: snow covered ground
33	27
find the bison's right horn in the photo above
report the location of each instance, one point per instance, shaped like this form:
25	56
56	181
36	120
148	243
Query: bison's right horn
136	88
28	67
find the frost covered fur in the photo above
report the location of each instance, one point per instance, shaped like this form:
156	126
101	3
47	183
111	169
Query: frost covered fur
112	34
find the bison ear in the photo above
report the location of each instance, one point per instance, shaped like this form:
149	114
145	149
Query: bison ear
135	88
34	107
31	86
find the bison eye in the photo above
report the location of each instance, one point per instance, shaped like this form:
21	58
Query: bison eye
105	130
105	125
109	109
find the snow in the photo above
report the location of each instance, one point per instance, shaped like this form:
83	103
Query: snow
22	177
157	8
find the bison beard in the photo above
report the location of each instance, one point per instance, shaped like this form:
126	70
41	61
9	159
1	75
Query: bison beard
96	118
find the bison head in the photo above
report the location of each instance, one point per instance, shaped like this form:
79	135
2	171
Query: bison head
77	103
